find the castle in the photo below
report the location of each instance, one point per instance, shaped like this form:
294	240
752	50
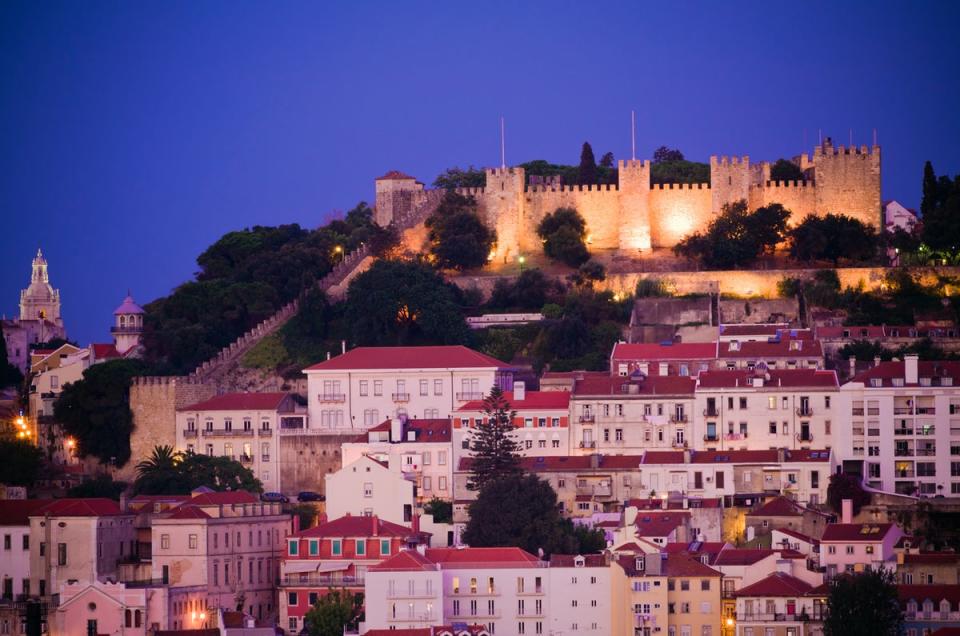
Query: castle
637	215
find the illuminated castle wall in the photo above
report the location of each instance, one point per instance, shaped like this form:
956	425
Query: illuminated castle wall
637	215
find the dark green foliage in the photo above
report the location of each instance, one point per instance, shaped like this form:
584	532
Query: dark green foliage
441	510
9	374
864	604
846	486
95	410
652	288
167	472
495	451
822	291
785	170
529	291
607	161
940	208
669	166
736	237
564	232
588	274
502	344
332	612
587	172
99	486
20	462
458	237
833	237
453	178
403	303
306	514
667	155
522	511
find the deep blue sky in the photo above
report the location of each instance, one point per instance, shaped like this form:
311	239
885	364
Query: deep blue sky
134	134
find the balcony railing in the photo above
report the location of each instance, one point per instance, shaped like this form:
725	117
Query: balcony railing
322	579
588	443
711	412
222	432
331	397
926	452
679	444
711	437
265	432
188	433
805	437
469	396
682	418
401	397
857	411
902	410
903	452
926	410
589	418
903	431
732	437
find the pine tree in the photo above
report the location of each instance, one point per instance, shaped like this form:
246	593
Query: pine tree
495	451
588	165
929	201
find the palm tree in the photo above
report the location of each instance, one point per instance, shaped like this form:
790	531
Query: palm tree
163	459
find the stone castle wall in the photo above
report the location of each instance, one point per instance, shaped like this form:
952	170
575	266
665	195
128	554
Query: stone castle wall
637	215
306	459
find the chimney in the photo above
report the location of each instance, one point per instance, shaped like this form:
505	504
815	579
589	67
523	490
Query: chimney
519	391
876	361
422	549
911	368
416	524
783	566
376	526
343	346
853	366
396	430
846	515
296	524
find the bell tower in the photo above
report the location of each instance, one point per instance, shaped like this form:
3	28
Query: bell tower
40	301
127	326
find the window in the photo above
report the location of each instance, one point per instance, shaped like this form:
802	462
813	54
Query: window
192	541
164	541
336	547
313	547
378	387
368	489
361	547
743	403
294	548
705	584
442	458
292	599
364	385
442	483
61	554
438	387
424	387
384	547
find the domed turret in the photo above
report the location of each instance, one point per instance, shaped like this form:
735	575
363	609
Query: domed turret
127	325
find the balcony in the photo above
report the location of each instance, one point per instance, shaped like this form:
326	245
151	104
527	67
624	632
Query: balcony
246	459
708	412
223	432
595	490
588	419
926	410
678	444
926	452
400	397
903	431
805	437
127	329
469	396
902	410
711	437
903	452
190	434
733	437
679	418
857	411
265	432
588	443
331	397
324	580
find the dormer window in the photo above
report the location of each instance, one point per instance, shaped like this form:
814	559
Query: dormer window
579	562
876	382
734	345
897	381
796	345
641	563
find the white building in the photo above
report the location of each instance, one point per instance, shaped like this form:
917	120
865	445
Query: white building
898	216
904	427
15	561
369	486
364	386
241	426
761	408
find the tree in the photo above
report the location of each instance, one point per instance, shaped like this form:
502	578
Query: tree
846	486
441	510
9	374
606	161
332	612
95	410
99	486
530	290
495	451
664	155
563	233
587	172
458	237
20	462
399	302
522	511
832	237
768	226
736	237
864	604
784	170
306	514
167	472
588	273
941	211
453	178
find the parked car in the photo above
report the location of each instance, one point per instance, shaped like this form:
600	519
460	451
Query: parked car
309	495
274	497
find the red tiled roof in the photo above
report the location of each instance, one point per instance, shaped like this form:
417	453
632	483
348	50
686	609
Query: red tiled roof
886	371
89	507
539	400
240	402
224	498
662	457
777	584
860	331
356	526
623	386
659	524
439	630
779	378
569	560
435	357
935	593
931	558
188	632
684	565
656	351
798	535
458	557
427	430
778	507
188	512
630	546
394	175
733	457
848	532
763	349
17	512
571	462
105	351
743	556
765	330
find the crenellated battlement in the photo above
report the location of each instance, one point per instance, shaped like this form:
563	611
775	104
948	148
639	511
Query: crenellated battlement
729	161
785	184
163	380
680	186
471	192
827	150
504	172
634	164
599	187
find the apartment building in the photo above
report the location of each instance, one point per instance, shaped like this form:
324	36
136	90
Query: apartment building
777	352
241	426
628	414
903	434
764	408
15	562
662	359
780	605
783	513
541	420
421	448
369	485
360	388
335	555
588	594
929	609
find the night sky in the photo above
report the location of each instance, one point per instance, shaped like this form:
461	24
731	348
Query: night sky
134	134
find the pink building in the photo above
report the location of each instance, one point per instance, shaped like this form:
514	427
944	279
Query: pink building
681	358
854	547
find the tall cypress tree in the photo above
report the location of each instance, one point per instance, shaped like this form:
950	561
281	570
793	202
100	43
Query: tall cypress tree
930	195
588	165
495	451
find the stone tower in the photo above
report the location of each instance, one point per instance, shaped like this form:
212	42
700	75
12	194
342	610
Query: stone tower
848	181
397	196
729	180
127	326
503	204
40	301
634	224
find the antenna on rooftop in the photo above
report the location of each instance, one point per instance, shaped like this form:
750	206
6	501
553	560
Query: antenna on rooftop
820	136
851	137
633	136
503	151
874	136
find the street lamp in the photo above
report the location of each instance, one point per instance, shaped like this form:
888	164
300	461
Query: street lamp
521	259
338	250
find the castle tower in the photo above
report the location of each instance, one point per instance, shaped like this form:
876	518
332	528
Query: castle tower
40	301
730	180
397	196
503	197
634	186
127	326
848	181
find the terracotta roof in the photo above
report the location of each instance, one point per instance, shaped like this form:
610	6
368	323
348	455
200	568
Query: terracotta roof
441	558
188	632
779	378
764	330
684	565
356	526
859	331
886	371
777	584
657	351
624	386
696	548
935	593
571	462
569	560
630	546
188	512
240	402
128	307
946	631
758	456
427	430
17	512
225	498
90	507
435	357
659	524
798	535
438	630
743	556
778	507
931	558
394	175
662	457
778	348
848	532
532	400
105	351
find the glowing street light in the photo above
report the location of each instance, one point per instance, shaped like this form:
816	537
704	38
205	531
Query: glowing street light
521	259
338	250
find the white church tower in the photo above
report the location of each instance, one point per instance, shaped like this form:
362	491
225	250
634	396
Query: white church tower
127	325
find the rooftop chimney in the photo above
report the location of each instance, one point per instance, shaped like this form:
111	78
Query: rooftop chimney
343	346
876	361
376	526
416	524
846	516
519	390
296	524
853	366
911	368
396	430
